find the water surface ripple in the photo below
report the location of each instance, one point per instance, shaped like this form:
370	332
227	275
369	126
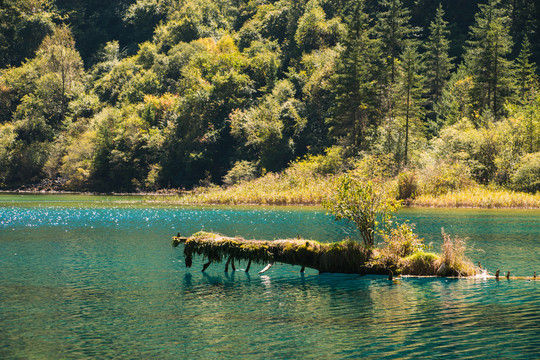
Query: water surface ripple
81	280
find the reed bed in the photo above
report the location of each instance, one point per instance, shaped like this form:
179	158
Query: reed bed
453	259
274	189
271	189
480	197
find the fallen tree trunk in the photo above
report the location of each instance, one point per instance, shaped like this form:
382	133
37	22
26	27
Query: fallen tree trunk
344	257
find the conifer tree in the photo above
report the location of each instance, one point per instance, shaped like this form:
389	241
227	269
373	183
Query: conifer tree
438	62
525	71
524	22
487	57
411	92
355	104
393	29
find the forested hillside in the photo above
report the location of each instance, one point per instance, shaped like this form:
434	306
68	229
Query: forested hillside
125	95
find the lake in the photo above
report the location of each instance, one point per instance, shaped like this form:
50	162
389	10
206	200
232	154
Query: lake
96	277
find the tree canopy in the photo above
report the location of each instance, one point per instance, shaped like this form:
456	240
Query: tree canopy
130	95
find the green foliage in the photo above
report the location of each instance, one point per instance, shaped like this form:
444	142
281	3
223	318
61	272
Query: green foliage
171	93
527	175
393	29
524	122
438	62
456	101
444	177
271	127
362	203
400	242
420	263
473	148
487	57
527	80
332	162
376	167
315	76
411	91
407	185
355	109
192	20
76	165
23	25
241	171
314	31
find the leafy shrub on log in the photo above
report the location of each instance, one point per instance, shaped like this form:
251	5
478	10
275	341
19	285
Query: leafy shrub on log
364	203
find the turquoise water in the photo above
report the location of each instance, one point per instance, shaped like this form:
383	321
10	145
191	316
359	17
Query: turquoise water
93	277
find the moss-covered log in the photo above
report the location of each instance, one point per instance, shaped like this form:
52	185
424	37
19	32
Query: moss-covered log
343	257
347	257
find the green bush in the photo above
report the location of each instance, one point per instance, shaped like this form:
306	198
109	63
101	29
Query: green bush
332	162
407	185
366	205
399	243
241	171
527	175
440	179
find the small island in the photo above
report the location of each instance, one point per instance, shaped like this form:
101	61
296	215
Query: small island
366	206
347	257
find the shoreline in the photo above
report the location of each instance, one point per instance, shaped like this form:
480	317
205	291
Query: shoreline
179	195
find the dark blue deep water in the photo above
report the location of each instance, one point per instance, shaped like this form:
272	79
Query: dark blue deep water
86	277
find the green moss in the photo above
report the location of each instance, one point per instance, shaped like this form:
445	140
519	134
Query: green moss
420	263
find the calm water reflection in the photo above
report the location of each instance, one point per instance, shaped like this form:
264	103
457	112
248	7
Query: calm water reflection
80	279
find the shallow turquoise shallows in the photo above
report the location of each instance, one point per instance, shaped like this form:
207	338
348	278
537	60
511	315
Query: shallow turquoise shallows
85	277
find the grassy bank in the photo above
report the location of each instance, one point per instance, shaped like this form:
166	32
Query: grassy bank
480	197
271	189
283	189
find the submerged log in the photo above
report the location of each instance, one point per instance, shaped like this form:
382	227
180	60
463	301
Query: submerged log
267	267
205	266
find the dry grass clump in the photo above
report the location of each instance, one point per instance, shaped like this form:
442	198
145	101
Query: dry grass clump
453	261
272	189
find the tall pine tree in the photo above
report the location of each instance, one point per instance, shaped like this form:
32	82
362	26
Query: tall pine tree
355	102
525	71
487	60
393	30
411	85
438	62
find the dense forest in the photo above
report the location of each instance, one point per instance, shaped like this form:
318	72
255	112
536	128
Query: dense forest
126	95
